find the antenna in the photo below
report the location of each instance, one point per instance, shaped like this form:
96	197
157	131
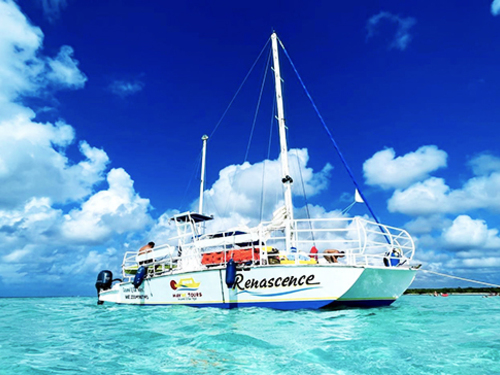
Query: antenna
202	179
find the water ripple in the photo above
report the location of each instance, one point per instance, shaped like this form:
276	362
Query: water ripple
417	335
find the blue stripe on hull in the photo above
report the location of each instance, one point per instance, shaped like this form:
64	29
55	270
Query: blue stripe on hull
360	303
279	305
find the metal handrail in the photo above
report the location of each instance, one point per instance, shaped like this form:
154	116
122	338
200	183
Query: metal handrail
364	242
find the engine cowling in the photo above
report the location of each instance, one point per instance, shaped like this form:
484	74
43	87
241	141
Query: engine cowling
104	280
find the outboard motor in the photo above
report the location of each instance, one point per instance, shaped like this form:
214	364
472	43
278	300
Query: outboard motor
140	276
104	281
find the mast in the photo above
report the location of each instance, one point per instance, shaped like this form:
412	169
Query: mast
285	170
202	180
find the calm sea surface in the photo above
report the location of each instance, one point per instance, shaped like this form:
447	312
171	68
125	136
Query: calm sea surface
417	335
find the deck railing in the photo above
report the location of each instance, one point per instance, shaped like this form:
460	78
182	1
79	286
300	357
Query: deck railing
362	242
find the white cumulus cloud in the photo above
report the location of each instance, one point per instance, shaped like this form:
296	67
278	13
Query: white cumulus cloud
24	70
45	229
116	210
37	222
424	225
467	233
481	262
454	243
32	164
64	70
236	197
484	164
125	88
423	198
19	65
52	8
386	170
433	196
402	36
495	7
162	230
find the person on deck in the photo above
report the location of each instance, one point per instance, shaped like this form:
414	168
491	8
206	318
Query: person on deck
146	248
333	258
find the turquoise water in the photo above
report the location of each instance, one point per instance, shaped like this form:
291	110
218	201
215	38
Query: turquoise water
416	335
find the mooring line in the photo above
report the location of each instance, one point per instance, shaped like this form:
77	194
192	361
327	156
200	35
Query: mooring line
461	278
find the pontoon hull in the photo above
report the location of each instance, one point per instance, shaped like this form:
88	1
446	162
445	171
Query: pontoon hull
376	287
281	287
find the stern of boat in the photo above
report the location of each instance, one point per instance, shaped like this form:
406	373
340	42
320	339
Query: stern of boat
110	295
377	286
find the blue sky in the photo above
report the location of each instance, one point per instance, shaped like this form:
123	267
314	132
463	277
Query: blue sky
103	105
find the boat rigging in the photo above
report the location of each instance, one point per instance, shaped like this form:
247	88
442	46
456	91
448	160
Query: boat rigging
276	264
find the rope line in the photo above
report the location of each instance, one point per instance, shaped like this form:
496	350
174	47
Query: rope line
193	174
305	196
262	197
239	89
225	210
253	124
258	106
329	133
461	278
334	142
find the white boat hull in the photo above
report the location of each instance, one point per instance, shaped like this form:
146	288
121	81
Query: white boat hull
280	287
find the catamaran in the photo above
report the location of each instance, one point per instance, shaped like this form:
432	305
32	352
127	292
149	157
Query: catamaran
276	264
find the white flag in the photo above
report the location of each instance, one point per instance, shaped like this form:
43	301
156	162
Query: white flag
357	197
